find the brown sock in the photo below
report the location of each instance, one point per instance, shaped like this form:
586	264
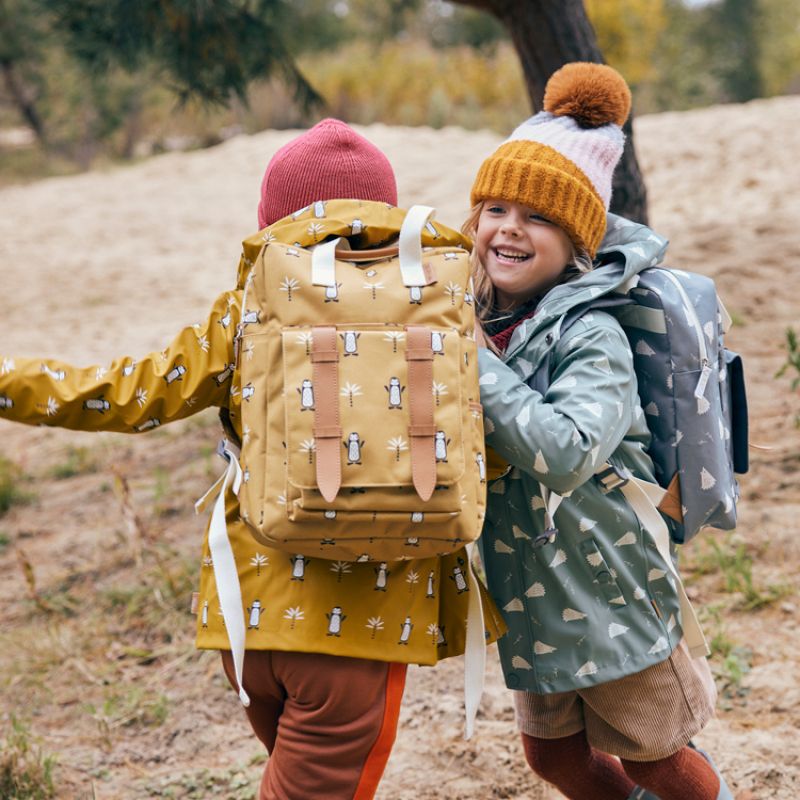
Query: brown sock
577	770
685	775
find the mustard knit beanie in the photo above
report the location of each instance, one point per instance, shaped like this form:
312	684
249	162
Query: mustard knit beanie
560	162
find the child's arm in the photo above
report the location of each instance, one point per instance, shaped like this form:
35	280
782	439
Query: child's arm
130	395
563	437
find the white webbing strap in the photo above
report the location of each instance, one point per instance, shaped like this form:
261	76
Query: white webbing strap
643	498
225	572
474	650
551	503
323	262
410	245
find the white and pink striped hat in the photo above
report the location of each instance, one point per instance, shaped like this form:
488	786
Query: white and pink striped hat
561	161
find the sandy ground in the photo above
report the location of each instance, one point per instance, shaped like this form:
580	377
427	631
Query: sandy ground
112	263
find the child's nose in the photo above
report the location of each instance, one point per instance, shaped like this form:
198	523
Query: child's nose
510	226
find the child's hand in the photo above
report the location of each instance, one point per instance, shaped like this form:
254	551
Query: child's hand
480	336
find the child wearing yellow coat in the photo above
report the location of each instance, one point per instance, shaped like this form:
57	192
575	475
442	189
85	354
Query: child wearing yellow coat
315	628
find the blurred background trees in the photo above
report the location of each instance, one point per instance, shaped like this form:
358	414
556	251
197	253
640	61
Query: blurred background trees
88	79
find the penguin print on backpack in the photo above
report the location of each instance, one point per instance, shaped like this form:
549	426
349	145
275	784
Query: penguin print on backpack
354	444
459	578
251	318
335	620
224	375
299	564
405	630
383	574
306	392
350	339
332	293
415	295
429	593
395	391
254	612
440	443
481	462
175	374
437	342
99	404
151	423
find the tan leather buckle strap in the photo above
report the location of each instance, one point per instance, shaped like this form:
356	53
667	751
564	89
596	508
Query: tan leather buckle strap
671	504
327	430
324	355
421	429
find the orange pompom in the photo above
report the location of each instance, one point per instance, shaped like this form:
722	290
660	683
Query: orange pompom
593	94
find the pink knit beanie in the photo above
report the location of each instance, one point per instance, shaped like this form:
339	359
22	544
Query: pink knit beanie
328	162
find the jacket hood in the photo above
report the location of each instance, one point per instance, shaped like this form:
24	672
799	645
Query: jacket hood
626	250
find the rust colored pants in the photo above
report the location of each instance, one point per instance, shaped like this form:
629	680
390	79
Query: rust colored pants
328	722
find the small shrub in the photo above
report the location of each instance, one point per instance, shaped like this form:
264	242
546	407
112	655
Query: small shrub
735	566
25	772
78	461
10	492
792	362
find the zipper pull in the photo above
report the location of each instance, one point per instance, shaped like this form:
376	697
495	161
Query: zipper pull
700	389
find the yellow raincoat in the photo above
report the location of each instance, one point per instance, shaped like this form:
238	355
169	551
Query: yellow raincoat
289	601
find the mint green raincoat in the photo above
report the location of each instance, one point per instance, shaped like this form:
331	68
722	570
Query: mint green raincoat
598	601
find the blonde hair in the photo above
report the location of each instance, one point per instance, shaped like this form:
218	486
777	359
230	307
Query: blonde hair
483	290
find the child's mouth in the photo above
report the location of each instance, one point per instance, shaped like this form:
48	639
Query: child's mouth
510	256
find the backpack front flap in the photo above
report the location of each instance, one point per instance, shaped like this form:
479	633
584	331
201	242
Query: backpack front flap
363	429
690	396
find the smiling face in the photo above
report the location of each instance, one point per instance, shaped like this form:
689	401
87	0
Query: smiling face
522	253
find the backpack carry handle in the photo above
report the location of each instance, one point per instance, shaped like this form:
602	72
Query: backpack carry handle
414	272
409	249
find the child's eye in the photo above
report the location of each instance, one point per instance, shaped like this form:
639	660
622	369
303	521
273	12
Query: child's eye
495	209
539	218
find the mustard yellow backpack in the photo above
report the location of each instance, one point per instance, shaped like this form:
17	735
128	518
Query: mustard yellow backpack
360	402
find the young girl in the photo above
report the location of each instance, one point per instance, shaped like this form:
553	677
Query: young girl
593	612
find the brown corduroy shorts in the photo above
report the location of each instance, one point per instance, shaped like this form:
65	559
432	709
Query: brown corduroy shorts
642	717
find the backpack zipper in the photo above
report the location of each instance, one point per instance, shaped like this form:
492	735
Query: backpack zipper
694	321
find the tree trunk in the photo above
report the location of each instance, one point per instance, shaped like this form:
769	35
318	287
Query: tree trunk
24	104
546	35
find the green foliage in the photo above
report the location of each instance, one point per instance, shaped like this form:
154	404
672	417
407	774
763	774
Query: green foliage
792	363
128	706
628	32
77	461
737	27
735	566
779	57
413	83
10	492
730	662
207	50
79	71
792	358
26	773
100	77
233	784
